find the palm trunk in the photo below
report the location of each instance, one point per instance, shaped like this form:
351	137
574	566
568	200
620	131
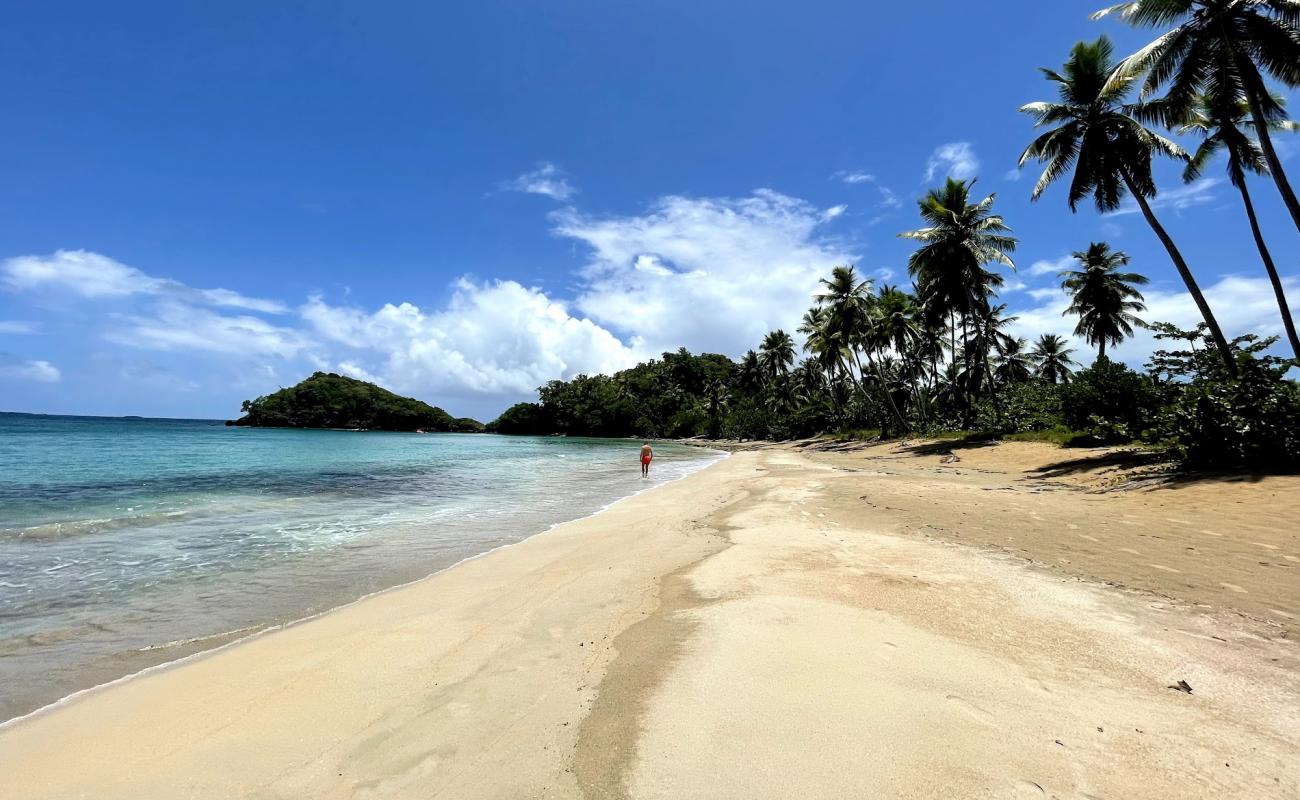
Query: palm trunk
1101	350
1253	88
1287	322
1216	333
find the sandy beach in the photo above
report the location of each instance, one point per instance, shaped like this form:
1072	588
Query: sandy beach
829	622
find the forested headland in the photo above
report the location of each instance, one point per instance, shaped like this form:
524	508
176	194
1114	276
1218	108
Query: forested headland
326	400
936	356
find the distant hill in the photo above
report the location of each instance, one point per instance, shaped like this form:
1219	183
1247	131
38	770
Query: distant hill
326	400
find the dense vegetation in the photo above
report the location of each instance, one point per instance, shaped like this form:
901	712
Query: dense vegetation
937	356
326	400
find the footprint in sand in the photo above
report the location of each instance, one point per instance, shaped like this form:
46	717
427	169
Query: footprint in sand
1178	521
973	711
1291	558
1211	533
1130	551
1265	546
1163	568
1232	587
1089	538
1071	526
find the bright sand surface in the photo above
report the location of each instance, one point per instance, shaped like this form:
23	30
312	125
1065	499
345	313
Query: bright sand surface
855	624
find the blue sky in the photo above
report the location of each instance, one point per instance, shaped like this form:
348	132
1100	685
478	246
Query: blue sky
200	203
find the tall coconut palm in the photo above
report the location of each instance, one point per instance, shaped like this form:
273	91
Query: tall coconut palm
848	304
1103	297
750	375
1052	360
1014	363
776	355
959	240
1219	120
1224	45
1110	151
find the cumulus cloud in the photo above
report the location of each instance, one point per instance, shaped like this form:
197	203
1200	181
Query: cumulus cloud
92	275
954	159
498	338
705	273
1197	193
547	180
11	366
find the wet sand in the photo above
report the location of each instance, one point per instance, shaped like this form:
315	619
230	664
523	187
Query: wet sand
861	623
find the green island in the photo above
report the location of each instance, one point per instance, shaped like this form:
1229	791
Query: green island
327	400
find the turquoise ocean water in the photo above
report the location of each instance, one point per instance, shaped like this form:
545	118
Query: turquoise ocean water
130	542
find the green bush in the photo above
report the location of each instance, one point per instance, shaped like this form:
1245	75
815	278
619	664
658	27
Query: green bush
1108	401
1209	419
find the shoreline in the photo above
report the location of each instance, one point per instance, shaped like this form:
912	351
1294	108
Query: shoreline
262	629
767	597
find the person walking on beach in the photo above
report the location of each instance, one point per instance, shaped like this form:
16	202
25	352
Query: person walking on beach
647	453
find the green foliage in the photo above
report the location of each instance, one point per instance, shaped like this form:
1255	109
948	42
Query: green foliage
1211	419
522	419
1109	401
326	400
1029	406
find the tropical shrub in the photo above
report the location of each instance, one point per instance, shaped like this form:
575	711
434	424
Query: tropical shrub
1109	401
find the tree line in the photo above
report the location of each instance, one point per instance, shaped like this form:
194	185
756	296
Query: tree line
937	355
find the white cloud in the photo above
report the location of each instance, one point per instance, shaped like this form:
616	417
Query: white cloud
178	326
1197	193
497	338
18	327
12	366
854	176
833	212
1013	175
1049	267
548	180
954	159
96	276
731	269
1241	304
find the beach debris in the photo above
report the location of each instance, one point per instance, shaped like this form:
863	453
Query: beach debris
950	458
1181	686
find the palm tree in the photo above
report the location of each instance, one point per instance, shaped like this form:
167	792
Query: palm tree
1052	359
717	401
1220	45
845	308
1014	364
1219	119
776	355
1110	152
750	375
1103	297
960	239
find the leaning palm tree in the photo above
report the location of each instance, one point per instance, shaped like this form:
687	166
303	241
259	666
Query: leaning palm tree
1221	45
1110	151
1103	297
1220	120
959	240
1052	360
